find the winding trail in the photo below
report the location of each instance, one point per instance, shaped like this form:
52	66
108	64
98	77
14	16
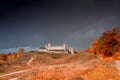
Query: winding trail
13	73
32	58
17	72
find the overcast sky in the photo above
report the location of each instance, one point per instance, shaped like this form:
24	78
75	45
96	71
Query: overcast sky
74	22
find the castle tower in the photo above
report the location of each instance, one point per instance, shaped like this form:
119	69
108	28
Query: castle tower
72	50
64	45
48	44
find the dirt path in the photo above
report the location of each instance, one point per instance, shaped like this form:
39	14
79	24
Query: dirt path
13	73
17	72
31	59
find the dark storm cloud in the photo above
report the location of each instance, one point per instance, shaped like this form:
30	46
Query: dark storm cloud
75	22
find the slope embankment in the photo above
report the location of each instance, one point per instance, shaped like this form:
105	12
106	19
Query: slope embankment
53	66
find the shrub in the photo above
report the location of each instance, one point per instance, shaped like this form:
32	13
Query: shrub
108	44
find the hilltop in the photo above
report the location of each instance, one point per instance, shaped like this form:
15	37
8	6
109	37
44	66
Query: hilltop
56	66
99	62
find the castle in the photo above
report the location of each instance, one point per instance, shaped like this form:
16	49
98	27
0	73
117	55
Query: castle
56	49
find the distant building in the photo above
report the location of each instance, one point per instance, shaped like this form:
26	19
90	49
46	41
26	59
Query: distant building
72	50
42	49
56	49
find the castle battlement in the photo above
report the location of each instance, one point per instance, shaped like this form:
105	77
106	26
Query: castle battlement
55	49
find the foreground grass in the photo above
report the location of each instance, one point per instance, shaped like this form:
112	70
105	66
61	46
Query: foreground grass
76	71
63	67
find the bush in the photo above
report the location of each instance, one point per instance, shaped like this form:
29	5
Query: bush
108	44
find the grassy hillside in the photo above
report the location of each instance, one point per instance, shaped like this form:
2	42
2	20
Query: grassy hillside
55	66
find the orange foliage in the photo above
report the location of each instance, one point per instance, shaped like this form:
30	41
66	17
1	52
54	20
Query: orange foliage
3	57
108	44
12	56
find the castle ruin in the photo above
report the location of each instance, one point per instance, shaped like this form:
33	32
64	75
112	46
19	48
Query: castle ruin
56	49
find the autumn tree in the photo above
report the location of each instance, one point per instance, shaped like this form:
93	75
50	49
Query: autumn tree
3	57
20	52
108	44
93	47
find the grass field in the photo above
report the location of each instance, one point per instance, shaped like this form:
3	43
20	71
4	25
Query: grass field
53	66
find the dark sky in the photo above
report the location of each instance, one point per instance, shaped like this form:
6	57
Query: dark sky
74	22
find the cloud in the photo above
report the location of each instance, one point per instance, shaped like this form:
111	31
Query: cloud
86	33
26	49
